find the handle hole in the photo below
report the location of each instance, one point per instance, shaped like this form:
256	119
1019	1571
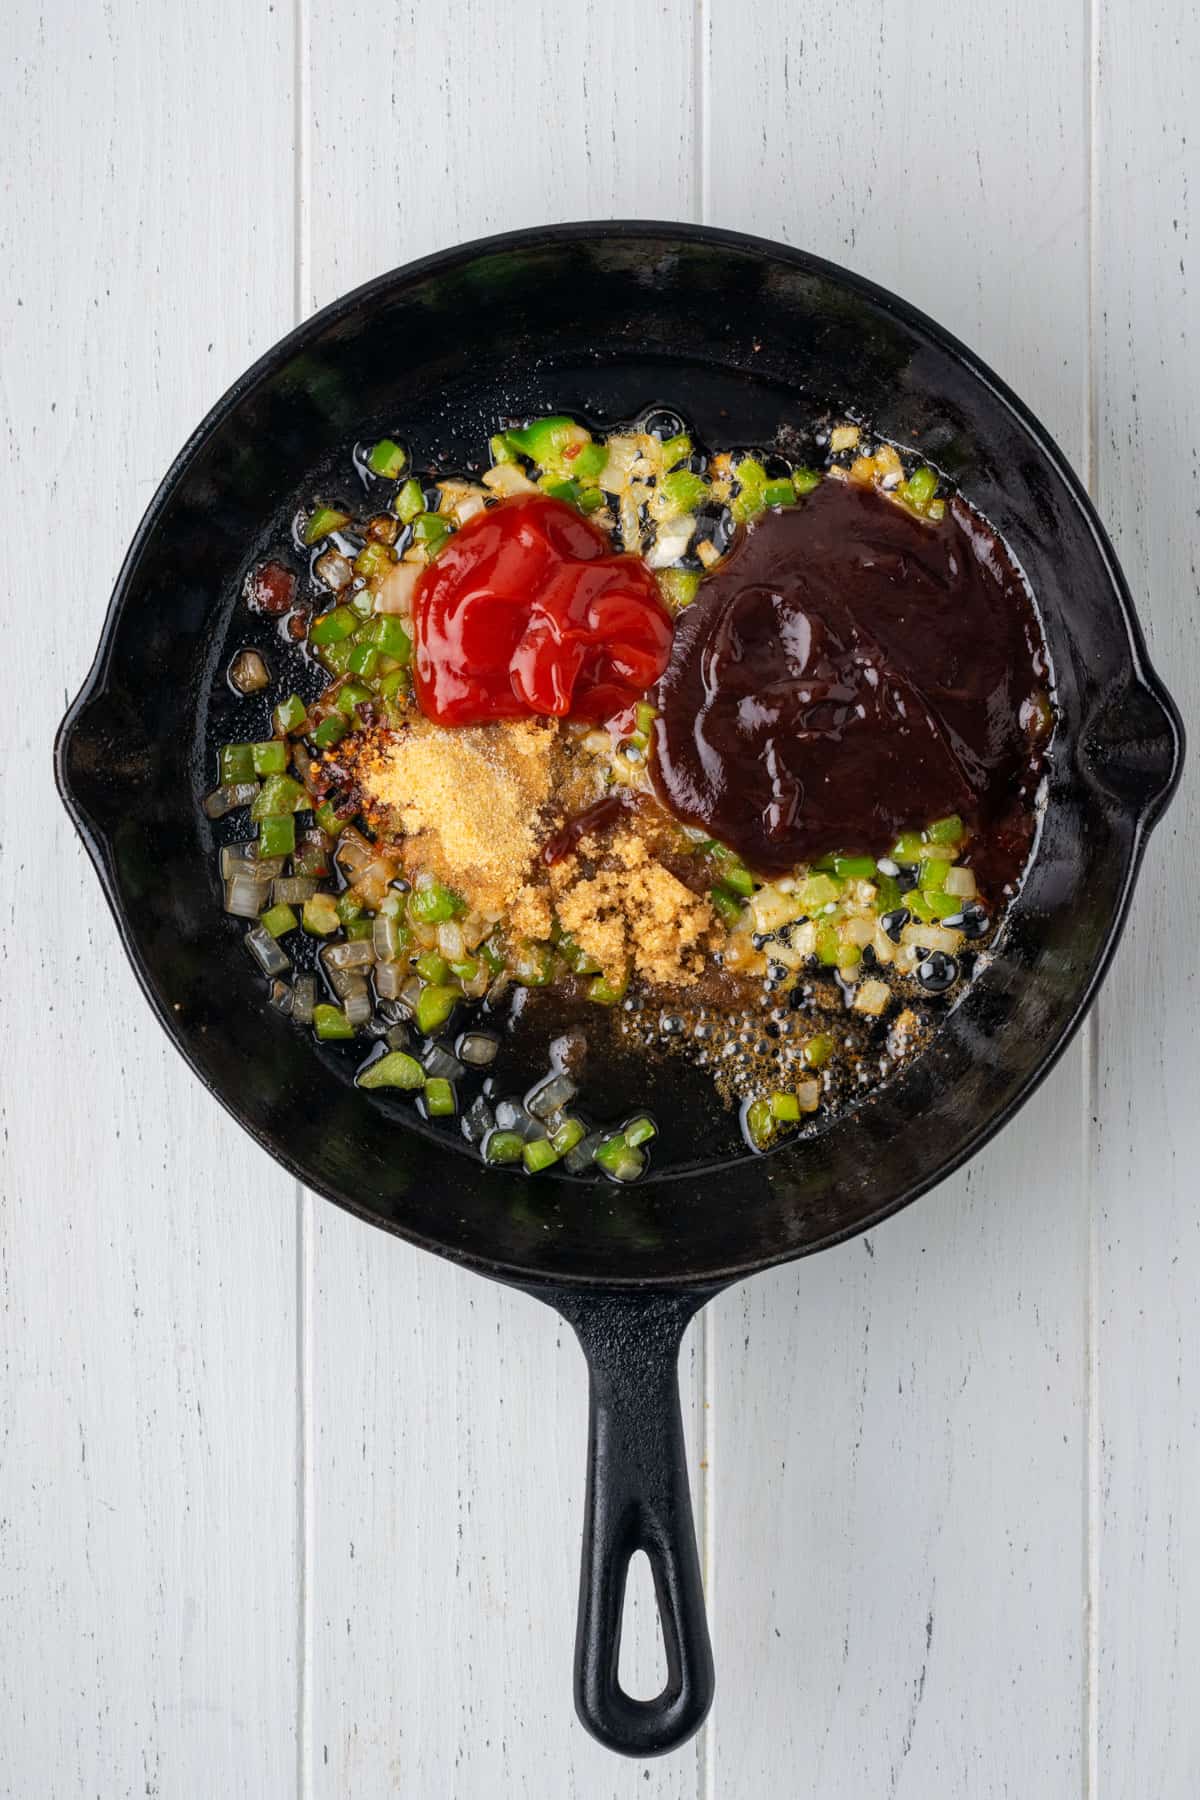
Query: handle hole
642	1661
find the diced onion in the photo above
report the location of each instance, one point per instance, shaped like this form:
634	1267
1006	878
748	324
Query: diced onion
355	953
808	1094
508	478
271	958
872	998
930	937
859	931
450	941
395	592
771	909
248	673
293	890
803	938
961	883
334	570
227	799
389	979
304	998
546	1099
245	897
354	853
357	1008
672	542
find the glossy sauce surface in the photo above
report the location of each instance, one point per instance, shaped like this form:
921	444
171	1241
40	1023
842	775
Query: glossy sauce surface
850	672
527	610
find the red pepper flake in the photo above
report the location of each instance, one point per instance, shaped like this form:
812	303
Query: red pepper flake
527	610
270	589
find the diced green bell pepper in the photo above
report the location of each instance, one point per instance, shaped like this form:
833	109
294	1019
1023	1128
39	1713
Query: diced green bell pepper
236	763
571	1132
322	520
539	1154
279	919
277	835
679	586
684	491
330	1022
589	463
503	1147
279	794
395	1070
291	713
409	501
387	459
331	627
350	695
330	731
319	915
726	905
390	638
816	892
605	992
270	757
674	449
950	830
854	868
760	1123
434	1006
431	529
433	904
547	441
919	489
439	1098
908	847
372	563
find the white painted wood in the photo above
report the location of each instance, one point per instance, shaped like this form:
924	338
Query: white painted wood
148	1552
287	1508
898	1427
1146	1144
450	1418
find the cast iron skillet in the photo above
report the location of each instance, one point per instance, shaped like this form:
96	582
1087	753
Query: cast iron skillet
743	336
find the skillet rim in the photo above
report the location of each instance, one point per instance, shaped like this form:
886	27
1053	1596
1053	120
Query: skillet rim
1138	821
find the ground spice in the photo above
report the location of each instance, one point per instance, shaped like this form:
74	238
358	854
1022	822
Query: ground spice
471	803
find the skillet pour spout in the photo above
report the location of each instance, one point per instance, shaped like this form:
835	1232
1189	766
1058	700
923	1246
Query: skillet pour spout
760	341
1133	747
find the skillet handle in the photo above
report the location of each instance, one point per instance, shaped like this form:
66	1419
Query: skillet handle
637	1499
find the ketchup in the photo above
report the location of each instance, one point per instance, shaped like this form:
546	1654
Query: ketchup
526	610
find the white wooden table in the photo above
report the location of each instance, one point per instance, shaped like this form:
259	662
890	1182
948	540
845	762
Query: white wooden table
287	1508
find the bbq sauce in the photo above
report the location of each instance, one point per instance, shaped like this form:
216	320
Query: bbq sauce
849	672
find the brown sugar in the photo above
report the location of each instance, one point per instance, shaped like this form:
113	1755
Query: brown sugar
469	802
633	913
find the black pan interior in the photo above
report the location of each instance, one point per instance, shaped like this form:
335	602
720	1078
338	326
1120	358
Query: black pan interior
743	338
